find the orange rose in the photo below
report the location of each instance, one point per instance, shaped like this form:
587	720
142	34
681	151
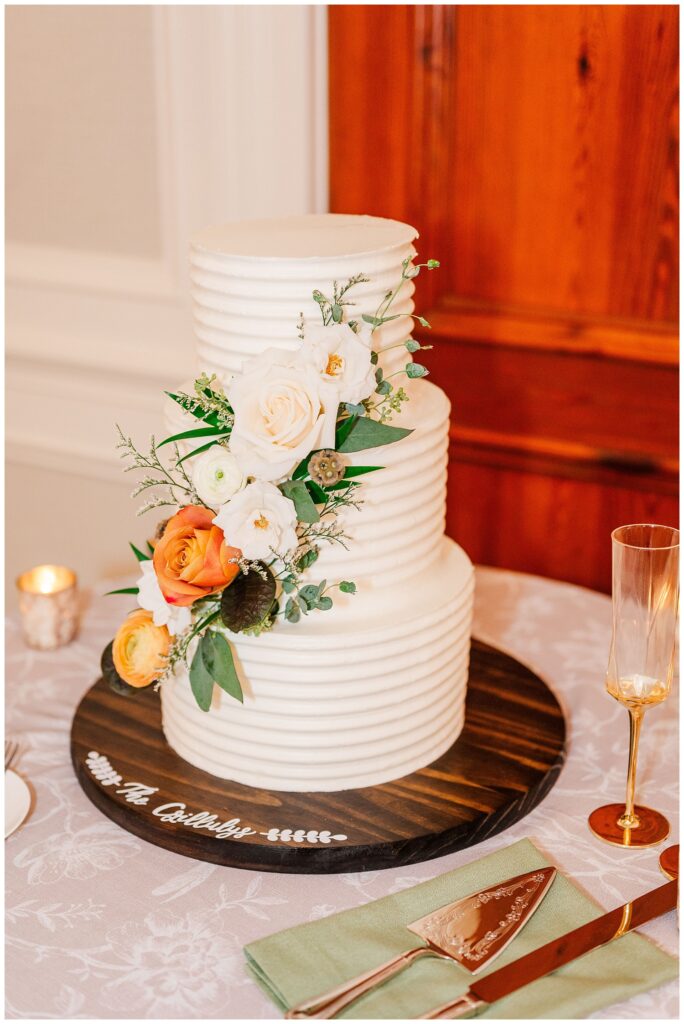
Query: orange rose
140	648
192	559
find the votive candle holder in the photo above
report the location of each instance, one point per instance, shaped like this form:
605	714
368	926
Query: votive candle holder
48	605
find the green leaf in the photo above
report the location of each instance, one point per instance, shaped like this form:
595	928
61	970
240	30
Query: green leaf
309	595
343	430
124	590
288	584
412	345
416	370
378	375
248	599
384	387
337	313
377	321
351	471
318	495
355	410
368	433
204	448
150	548
292	612
302	469
324	604
297	492
422	321
138	553
201	680
374	358
347	587
111	676
218	660
307	559
187	434
432	264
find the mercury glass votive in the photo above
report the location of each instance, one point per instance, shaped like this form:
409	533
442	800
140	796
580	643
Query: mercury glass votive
48	603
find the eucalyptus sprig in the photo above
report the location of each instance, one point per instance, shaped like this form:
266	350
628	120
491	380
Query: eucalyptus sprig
332	310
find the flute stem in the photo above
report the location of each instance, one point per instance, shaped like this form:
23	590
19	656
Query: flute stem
629	819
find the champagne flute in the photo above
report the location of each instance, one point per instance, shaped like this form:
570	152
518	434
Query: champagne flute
641	662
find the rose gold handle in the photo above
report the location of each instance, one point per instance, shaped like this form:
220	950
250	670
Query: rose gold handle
330	1003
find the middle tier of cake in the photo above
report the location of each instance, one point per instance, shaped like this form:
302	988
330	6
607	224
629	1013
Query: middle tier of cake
402	506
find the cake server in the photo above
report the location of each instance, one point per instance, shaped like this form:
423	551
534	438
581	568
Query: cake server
471	931
540	962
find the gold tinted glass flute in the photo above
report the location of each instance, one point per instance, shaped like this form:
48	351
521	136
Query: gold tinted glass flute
641	662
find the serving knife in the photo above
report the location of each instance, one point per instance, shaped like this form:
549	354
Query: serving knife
471	931
540	962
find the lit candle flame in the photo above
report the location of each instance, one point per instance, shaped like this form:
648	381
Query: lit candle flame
46	579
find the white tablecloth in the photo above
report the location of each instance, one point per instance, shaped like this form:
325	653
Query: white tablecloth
101	924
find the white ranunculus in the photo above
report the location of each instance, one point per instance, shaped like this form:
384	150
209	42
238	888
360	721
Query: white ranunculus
283	411
259	520
342	359
152	600
216	476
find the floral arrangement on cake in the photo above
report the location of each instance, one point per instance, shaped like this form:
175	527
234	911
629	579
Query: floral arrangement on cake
256	495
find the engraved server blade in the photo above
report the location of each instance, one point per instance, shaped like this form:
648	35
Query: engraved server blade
476	929
540	962
471	930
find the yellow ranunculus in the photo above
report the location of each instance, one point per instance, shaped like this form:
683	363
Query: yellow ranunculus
140	649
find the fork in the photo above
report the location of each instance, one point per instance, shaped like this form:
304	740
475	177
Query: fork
11	751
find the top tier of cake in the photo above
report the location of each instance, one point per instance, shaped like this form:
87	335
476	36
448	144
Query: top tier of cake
252	280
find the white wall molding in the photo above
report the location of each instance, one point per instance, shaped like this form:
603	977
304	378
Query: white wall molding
93	337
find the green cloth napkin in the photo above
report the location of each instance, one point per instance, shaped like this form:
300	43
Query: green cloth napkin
306	961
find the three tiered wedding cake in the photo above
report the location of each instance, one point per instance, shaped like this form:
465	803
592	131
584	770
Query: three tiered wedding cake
375	688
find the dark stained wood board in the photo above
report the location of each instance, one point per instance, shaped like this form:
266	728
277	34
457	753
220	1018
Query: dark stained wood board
505	761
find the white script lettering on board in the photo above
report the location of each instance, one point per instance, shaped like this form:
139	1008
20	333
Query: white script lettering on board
178	814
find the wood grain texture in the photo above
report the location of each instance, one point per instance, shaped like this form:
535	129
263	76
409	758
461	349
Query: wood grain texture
507	758
535	148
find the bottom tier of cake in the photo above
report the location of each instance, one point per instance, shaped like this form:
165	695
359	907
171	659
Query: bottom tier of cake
363	694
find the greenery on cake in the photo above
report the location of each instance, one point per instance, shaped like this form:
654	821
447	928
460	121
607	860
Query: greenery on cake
254	487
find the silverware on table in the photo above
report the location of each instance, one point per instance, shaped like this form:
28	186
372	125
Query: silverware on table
11	751
540	962
471	931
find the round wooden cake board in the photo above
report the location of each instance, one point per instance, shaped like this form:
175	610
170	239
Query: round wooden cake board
505	761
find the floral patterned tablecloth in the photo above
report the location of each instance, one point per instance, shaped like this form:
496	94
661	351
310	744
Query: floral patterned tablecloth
101	924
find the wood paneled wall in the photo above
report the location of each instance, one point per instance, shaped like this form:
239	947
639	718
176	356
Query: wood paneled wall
535	148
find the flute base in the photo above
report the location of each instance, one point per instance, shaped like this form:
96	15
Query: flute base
652	829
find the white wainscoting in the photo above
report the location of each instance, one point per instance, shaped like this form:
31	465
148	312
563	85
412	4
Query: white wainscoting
93	336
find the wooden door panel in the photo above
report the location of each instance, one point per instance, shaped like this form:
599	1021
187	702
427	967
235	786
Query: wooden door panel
621	409
546	524
535	148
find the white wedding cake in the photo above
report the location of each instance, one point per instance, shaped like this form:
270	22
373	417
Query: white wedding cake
375	688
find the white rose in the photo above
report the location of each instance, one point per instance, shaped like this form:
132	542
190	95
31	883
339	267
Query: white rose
342	359
259	520
216	476
283	411
152	600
